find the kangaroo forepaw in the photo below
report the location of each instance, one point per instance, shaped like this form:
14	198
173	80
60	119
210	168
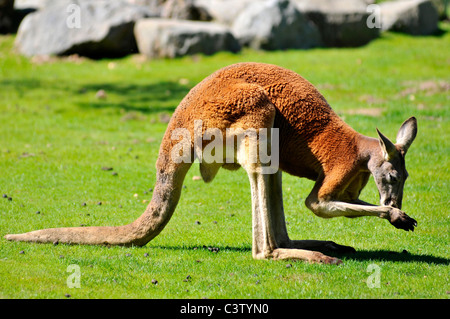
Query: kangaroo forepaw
402	221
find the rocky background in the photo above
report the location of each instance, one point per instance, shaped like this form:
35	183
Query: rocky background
174	28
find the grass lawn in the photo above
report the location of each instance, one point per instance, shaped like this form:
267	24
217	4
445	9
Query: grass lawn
56	135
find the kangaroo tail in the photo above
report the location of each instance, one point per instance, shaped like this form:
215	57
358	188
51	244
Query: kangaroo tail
165	198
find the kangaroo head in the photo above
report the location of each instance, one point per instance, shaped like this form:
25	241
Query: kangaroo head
388	166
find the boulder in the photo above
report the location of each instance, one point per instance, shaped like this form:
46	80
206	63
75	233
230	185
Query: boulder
184	10
153	5
32	4
275	25
415	17
223	11
92	28
341	24
6	16
169	38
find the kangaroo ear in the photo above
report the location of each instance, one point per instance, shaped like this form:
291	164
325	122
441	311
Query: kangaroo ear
387	147
407	133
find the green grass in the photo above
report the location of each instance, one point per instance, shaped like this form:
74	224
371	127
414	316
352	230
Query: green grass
55	137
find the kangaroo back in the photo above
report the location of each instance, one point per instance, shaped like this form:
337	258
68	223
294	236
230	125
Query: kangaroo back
313	137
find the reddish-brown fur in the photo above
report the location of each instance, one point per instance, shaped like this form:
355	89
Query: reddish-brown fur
313	134
314	139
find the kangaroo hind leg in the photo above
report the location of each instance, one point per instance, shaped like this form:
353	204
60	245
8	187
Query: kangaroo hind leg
270	238
269	234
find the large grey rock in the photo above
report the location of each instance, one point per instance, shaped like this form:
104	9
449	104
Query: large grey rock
275	25
32	4
184	10
169	38
223	11
153	5
415	17
341	23
92	28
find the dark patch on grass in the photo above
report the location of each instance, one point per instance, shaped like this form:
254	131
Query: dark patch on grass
386	255
212	248
145	98
360	255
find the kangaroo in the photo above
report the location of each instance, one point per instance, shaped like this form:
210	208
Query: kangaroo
314	143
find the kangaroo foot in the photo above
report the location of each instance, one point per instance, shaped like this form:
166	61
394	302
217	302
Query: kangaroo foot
306	255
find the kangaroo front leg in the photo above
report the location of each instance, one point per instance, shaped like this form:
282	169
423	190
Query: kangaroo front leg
329	209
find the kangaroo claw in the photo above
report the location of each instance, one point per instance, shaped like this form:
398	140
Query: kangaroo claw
402	221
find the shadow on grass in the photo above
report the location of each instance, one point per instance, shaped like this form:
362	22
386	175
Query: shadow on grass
439	33
146	98
386	255
360	255
204	247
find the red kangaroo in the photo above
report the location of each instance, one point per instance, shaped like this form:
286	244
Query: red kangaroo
313	143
